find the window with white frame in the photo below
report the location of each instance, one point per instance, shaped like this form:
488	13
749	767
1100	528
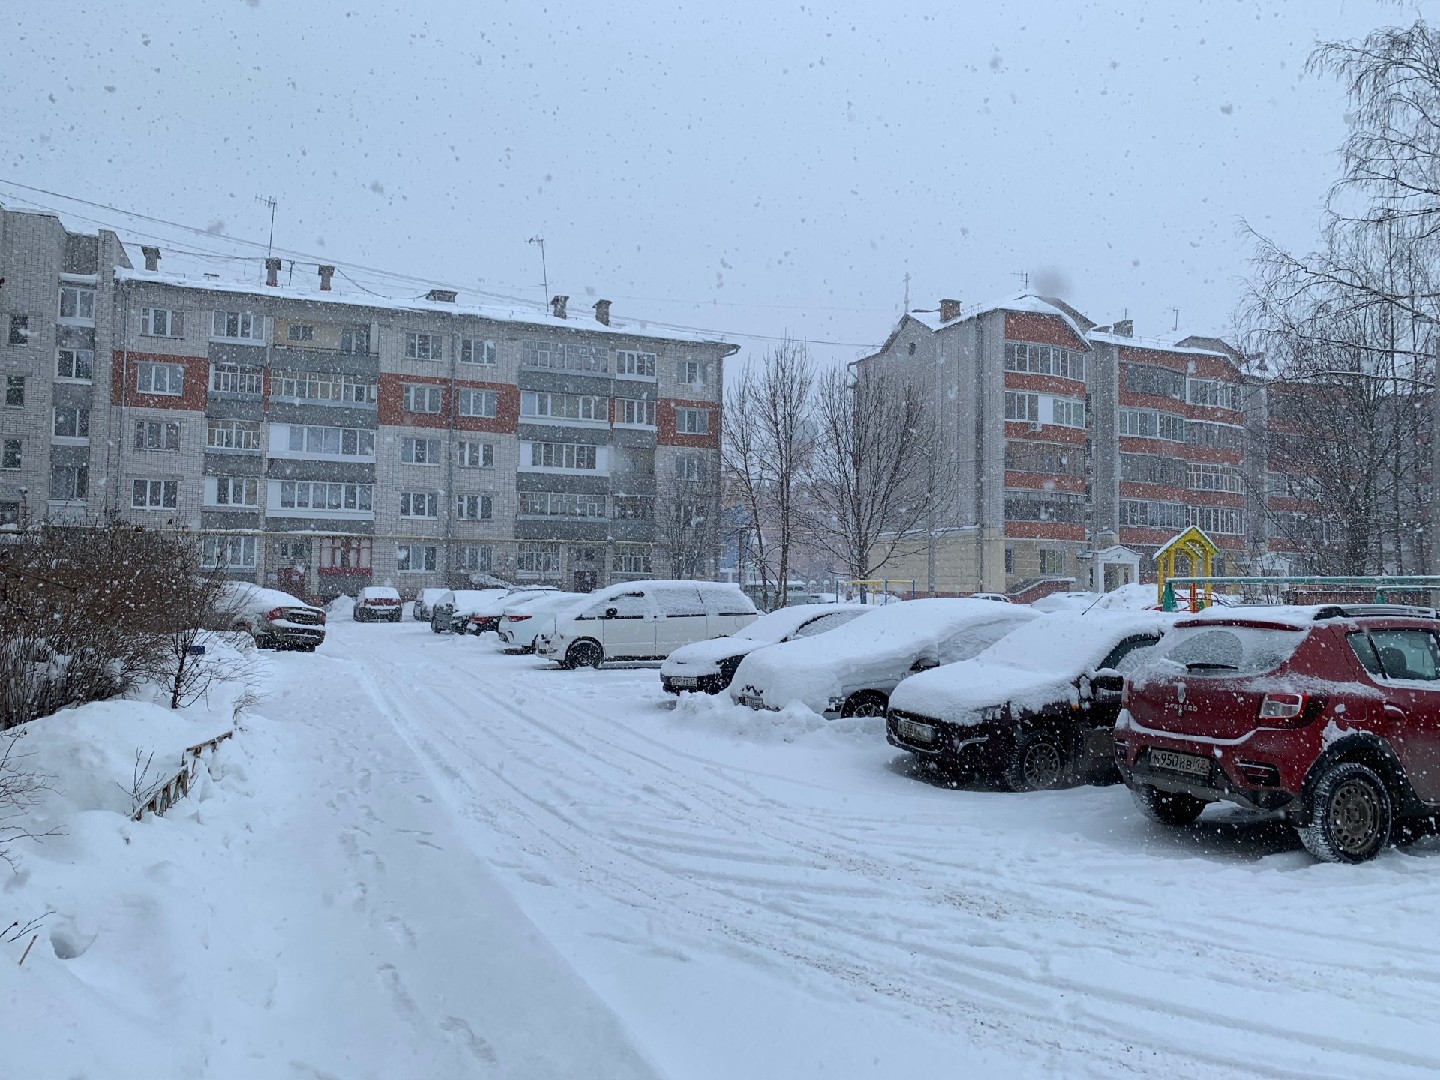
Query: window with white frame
1020	406
556	355
1147	514
632	507
472	558
1202	477
1213	392
71	422
77	303
632	561
10	456
157	435
1219	436
482	403
566	504
236	379
638	412
477	351
340	554
1067	412
420	346
692	421
419	504
167	379
415	451
422	398
233	435
154	494
545	455
636	364
473	507
691	372
69	483
477	455
232	552
415	558
162	322
300	332
546	406
331	441
1153	380
242	491
355	340
688	467
315	495
538	558
322	388
1220	520
1033	359
75	364
238	326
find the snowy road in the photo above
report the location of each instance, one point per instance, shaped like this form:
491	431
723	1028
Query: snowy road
749	906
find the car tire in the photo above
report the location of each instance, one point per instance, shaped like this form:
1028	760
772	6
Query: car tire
584	654
395	617
865	704
1173	808
266	641
1350	814
1039	760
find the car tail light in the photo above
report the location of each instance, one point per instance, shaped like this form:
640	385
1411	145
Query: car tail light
517	618
1259	773
275	614
1289	710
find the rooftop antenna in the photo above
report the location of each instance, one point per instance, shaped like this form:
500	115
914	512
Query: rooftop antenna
907	292
1176	327
544	273
1024	276
269	200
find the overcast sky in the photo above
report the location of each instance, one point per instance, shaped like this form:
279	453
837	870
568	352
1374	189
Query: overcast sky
750	168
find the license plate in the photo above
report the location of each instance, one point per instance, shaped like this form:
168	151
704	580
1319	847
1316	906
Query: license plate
684	682
1185	763
909	729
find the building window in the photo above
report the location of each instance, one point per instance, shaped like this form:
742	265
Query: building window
1022	406
344	554
477	351
1046	506
162	322
687	467
1067	412
477	455
1030	456
236	491
77	303
560	357
691	372
322	387
473	558
71	422
562	456
75	364
631	561
154	494
1142	514
14	391
473	507
1220	520
1219	436
331	441
69	483
233	435
538	559
420	398
641	413
564	406
633	508
234	379
692	421
484	403
420	451
1149	424
167	379
1052	561
1009	560
355	341
1024	357
313	495
238	326
1156	381
1212	478
19	329
9	513
423	346
567	504
228	552
415	558
10	454
419	504
157	435
1152	469
638	364
300	332
1222	395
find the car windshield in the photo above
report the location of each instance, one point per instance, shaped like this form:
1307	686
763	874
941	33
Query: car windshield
1229	650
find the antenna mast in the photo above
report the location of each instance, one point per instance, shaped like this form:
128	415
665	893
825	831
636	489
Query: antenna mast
270	202
1024	276
544	273
906	308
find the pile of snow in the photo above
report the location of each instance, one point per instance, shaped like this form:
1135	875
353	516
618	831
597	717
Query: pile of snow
717	715
342	606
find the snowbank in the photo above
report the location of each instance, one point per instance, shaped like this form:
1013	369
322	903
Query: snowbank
717	715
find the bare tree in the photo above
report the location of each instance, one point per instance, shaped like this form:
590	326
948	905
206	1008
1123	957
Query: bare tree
687	523
879	475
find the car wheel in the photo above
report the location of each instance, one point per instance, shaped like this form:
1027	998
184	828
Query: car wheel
865	703
584	654
1350	815
395	617
1173	808
266	641
1038	761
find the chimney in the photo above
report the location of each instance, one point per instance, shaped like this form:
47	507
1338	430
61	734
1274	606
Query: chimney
152	257
557	306
949	310
1125	328
272	272
443	296
602	312
326	273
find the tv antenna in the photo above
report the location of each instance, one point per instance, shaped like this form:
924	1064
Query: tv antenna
1024	276
907	293
1176	327
544	273
269	200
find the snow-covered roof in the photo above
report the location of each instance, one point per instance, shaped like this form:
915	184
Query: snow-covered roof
1025	302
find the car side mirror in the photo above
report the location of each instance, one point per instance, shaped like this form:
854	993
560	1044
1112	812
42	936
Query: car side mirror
925	663
1108	686
611	612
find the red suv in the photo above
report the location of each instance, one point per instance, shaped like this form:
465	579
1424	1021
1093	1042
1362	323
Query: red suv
1330	714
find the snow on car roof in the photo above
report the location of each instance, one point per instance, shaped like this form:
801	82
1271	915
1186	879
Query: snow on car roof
782	622
381	592
542	601
244	594
1070	641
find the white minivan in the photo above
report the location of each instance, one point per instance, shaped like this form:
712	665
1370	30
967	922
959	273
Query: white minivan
644	620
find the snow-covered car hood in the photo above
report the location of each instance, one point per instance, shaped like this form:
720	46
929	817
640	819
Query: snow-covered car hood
874	651
960	692
703	657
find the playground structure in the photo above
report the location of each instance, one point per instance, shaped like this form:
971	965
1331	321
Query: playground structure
1383	585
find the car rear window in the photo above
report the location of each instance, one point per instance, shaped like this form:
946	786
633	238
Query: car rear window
1227	650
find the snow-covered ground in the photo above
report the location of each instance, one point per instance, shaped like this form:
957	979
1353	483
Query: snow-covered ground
423	857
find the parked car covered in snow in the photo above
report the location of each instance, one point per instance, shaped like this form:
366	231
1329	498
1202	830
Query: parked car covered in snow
487	615
377	603
424	601
708	666
275	619
852	670
454	607
1036	709
528	618
644	620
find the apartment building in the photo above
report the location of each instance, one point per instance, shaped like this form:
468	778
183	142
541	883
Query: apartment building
320	441
1080	450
